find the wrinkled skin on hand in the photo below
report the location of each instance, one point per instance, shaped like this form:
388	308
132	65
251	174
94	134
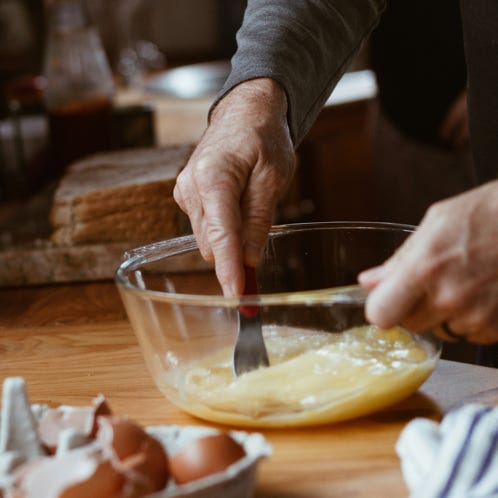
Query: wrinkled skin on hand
235	177
446	271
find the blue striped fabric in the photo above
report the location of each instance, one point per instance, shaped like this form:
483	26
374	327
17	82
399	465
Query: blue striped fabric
457	458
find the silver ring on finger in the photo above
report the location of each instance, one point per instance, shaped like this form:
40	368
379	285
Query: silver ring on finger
450	333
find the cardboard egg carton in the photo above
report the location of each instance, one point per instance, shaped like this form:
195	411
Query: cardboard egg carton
28	462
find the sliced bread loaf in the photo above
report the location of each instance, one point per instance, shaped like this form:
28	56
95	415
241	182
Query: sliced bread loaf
119	196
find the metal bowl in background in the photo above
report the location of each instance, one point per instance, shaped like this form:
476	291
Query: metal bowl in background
191	81
206	80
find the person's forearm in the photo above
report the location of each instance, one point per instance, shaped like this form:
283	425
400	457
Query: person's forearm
304	45
263	98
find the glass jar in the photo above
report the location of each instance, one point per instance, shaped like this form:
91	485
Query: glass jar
79	85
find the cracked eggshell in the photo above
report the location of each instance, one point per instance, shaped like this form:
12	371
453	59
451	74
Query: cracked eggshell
80	474
53	421
236	481
138	453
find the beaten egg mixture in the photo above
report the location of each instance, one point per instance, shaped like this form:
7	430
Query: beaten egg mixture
313	378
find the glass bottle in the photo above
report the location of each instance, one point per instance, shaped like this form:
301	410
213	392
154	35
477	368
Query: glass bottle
79	85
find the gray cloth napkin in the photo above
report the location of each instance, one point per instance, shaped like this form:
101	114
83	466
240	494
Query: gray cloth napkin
457	458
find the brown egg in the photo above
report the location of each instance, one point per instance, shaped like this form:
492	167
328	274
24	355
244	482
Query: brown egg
137	451
205	456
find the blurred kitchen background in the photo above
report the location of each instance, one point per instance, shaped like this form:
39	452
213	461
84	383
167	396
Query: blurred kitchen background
168	59
145	41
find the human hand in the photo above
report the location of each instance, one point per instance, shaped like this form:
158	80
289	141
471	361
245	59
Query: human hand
235	177
454	129
445	272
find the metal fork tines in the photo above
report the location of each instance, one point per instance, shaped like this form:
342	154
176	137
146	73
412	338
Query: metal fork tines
250	350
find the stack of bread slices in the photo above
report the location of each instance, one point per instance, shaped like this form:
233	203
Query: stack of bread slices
120	196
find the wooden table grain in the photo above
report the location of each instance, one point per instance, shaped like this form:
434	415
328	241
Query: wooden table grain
73	342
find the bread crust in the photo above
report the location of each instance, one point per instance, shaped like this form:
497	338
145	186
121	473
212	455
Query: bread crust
123	196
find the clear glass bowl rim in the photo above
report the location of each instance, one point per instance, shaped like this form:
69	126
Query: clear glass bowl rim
352	294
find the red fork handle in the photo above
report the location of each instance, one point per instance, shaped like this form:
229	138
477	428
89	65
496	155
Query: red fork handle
250	288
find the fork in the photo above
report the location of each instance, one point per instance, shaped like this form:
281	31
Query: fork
249	351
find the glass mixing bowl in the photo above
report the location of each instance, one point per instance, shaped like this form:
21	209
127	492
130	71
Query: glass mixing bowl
307	293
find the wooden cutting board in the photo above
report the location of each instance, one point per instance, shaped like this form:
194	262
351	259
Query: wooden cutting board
43	263
28	257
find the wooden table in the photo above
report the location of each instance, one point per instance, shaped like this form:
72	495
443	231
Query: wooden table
72	342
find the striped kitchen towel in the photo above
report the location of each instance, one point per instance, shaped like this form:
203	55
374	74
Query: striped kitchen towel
457	458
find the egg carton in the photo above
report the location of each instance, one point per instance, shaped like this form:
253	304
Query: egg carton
20	442
236	481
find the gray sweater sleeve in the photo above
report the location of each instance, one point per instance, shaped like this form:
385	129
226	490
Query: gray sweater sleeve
305	45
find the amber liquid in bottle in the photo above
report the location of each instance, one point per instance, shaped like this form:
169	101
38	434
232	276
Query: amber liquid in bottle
80	129
79	85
